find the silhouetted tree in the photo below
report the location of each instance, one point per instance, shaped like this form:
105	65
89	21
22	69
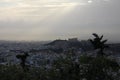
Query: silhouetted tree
98	43
23	58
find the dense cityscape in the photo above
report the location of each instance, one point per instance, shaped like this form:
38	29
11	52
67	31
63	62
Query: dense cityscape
69	59
42	53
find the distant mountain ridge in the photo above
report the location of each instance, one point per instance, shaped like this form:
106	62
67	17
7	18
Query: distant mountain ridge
56	42
70	43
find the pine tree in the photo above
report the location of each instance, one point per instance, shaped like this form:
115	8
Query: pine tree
23	58
98	43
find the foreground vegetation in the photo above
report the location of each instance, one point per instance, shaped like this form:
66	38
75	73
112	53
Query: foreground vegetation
84	68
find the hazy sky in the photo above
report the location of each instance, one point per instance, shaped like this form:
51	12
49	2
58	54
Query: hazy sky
53	19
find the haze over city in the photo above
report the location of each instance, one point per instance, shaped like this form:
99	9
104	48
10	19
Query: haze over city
53	19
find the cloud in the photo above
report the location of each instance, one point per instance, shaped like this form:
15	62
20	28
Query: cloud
36	9
23	9
51	19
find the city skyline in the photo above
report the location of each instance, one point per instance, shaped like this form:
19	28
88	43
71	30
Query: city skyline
53	19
